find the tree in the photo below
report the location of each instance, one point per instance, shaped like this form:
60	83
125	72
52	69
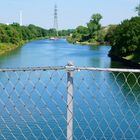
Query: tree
109	36
15	33
91	33
94	24
15	24
96	18
65	33
138	9
125	38
82	30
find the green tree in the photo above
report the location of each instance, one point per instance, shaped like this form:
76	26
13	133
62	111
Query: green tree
138	9
91	33
94	24
109	36
125	38
82	30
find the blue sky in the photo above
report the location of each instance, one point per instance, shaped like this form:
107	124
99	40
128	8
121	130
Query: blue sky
71	13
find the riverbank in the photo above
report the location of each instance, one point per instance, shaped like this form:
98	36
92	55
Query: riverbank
125	61
7	47
89	43
14	36
52	53
95	43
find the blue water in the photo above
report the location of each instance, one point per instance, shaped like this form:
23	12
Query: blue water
56	53
33	104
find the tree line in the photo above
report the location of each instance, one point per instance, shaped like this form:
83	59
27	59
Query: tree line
92	33
125	38
14	35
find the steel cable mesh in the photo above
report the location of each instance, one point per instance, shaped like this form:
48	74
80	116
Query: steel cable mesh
33	104
38	103
106	105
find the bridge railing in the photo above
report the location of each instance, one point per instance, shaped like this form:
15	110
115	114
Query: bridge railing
69	103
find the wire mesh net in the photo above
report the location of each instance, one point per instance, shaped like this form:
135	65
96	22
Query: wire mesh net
33	105
106	105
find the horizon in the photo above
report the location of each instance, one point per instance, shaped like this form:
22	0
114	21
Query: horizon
69	16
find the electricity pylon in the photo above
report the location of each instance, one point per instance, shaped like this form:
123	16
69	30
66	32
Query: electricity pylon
55	26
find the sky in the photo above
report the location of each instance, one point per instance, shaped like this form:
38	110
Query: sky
71	13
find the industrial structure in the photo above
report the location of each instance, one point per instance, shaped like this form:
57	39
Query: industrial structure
55	26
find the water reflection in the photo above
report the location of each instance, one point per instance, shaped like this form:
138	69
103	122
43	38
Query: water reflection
52	53
10	57
105	103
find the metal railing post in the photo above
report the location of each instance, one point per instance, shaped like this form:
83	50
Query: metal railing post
70	70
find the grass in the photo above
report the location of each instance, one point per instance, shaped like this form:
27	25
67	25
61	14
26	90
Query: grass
129	57
6	47
135	57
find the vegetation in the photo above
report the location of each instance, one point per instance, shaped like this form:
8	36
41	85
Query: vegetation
65	33
125	39
93	33
14	35
138	9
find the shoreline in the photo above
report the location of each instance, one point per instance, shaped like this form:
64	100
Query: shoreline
9	49
87	43
13	47
92	43
16	46
126	62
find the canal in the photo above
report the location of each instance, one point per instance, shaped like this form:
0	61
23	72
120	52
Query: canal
57	53
106	104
